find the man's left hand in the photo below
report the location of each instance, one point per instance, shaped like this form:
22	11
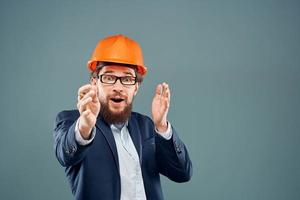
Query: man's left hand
160	107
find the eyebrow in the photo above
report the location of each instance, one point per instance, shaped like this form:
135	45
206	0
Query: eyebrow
107	72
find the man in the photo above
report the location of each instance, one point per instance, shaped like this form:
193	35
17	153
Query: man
108	151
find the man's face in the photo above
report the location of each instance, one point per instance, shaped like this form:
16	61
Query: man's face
116	99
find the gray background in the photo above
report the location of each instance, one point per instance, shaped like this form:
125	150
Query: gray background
233	68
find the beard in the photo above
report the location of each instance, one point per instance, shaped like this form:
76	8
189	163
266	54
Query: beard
111	117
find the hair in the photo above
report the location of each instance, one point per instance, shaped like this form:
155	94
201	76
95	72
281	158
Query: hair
100	65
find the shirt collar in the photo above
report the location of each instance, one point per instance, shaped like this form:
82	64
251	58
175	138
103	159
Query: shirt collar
119	126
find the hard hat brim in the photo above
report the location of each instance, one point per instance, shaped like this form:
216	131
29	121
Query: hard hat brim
92	66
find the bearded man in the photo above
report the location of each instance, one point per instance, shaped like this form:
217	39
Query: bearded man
110	152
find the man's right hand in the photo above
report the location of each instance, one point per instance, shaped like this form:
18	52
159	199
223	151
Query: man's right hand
89	107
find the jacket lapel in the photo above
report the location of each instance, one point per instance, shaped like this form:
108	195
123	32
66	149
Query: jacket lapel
106	131
135	135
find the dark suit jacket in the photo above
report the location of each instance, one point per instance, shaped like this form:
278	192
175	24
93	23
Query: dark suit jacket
93	170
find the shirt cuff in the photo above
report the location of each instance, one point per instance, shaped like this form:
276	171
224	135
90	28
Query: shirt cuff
166	135
79	138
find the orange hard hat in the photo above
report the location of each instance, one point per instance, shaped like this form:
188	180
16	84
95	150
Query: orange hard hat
118	49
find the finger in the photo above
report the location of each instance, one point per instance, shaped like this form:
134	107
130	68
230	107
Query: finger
165	90
158	89
163	85
85	101
83	104
167	102
166	99
86	113
167	95
84	96
95	96
83	90
90	93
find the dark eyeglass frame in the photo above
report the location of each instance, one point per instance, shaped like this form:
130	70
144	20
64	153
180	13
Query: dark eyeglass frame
121	78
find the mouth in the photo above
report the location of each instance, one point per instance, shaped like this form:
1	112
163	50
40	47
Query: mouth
117	99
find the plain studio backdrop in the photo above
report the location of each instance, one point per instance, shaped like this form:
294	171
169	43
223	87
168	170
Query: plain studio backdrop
234	72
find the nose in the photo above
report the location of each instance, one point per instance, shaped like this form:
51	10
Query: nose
118	86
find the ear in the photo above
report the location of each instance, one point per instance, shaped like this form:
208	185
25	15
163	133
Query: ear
93	81
137	85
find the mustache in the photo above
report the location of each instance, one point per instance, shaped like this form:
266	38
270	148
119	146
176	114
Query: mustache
117	94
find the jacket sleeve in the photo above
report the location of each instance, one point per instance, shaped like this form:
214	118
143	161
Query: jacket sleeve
67	150
173	159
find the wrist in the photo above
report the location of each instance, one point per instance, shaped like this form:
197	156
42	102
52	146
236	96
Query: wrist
162	127
84	131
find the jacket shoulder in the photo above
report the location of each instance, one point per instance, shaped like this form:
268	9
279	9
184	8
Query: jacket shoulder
67	115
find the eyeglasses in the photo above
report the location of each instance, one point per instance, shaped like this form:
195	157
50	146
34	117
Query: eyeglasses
112	79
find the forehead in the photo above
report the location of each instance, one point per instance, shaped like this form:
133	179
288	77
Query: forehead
118	69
